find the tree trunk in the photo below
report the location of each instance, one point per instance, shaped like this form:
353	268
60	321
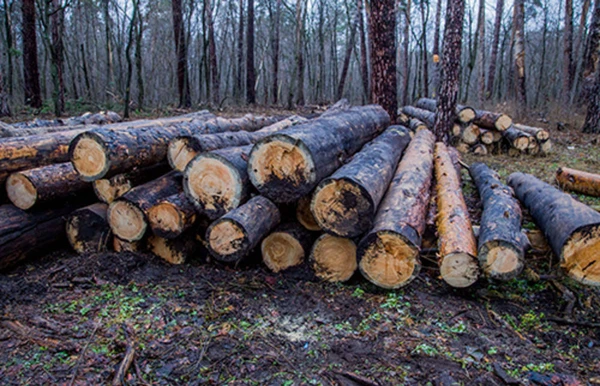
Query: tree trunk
571	228
592	119
250	75
128	58
181	51
286	247
87	229
108	190
57	54
275	58
591	54
240	52
212	55
436	47
494	52
333	258
172	216
8	27
349	47
138	58
424	53
4	105
567	52
364	66
405	43
519	54
481	53
33	96
578	181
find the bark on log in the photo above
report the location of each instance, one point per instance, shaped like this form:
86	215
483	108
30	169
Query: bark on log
578	181
127	216
457	244
492	121
333	258
345	203
109	189
233	236
177	250
571	228
425	116
286	247
501	243
465	114
35	187
339	106
470	134
172	216
537	132
415	125
304	214
288	165
88	230
389	253
517	138
248	122
479	149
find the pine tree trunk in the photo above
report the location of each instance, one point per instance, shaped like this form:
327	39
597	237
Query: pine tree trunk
333	258
567	76
519	54
592	119
436	47
578	181
57	55
364	67
494	53
33	96
212	55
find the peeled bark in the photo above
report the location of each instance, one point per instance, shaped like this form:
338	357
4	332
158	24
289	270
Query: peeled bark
537	132
345	203
233	236
578	181
172	216
109	189
288	165
304	214
571	228
333	258
389	253
492	121
518	139
425	116
465	114
286	247
457	244
88	230
501	243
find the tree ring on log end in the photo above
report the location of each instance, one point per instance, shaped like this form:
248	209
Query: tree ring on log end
180	154
581	255
160	248
305	216
21	191
164	218
459	269
281	251
227	239
334	258
126	221
89	157
389	260
498	258
503	122
466	115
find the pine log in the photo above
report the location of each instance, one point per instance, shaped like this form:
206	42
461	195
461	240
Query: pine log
248	122
479	149
415	125
571	228
172	216
537	132
109	189
402	119
34	187
120	245
546	147
88	230
492	121
534	147
501	243
457	244
462	147
486	136
127	215
233	236
341	105
345	203
464	114
177	250
423	115
333	258
100	118
288	165
217	182
286	247
578	181
470	134
304	214
389	254
517	138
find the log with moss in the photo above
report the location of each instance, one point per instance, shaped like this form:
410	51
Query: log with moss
424	116
389	254
333	258
287	246
288	165
172	216
88	230
492	121
109	189
464	114
578	181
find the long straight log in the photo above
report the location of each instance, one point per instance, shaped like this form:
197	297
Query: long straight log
287	246
100	118
492	121
425	116
464	114
88	230
333	258
571	228
457	244
109	189
233	236
127	215
248	122
578	181
501	243
288	165
517	138
172	216
537	132
345	203
389	254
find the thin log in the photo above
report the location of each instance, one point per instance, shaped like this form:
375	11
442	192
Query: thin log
578	181
539	133
517	138
109	189
465	114
492	121
333	258
287	246
304	214
425	116
88	230
172	216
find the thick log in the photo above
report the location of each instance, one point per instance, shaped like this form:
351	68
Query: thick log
337	107
120	245
109	189
425	116
217	182
128	215
333	258
578	181
288	165
34	187
286	247
486	136
88	230
470	134
172	216
304	214
571	228
517	138
537	132
345	203
389	254
233	236
177	250
248	122
501	243
492	121
457	244
464	114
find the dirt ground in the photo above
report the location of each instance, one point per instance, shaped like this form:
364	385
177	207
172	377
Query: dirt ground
69	319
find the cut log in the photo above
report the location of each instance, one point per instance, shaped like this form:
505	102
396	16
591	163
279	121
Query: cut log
546	147
286	247
172	216
492	121
127	216
517	138
462	147
109	189
217	182
457	244
304	214
177	250
479	149
233	236
534	147
248	122
345	203
415	125
571	228
337	107
425	116
537	132
402	119
333	258
501	243
389	253
34	187
88	230
486	136
470	134
464	114
100	118
456	130
288	165
120	245
578	181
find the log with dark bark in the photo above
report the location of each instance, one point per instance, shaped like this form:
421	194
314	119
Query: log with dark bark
578	181
501	243
457	244
571	228
304	214
389	253
109	189
479	149
233	236
178	250
172	216
424	116
518	139
288	165
465	114
333	258
127	215
537	132
286	247
120	245
100	118
88	230
492	121
34	187
415	125
345	203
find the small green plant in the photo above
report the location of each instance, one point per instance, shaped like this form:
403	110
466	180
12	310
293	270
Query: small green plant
492	350
426	349
358	292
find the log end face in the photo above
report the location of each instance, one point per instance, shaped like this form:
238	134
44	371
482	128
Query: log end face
160	247
226	240
21	191
503	122
305	216
165	220
581	255
466	115
334	258
126	221
89	158
281	251
501	260
180	154
459	270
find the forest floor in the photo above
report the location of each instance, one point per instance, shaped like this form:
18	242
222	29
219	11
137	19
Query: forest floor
69	319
